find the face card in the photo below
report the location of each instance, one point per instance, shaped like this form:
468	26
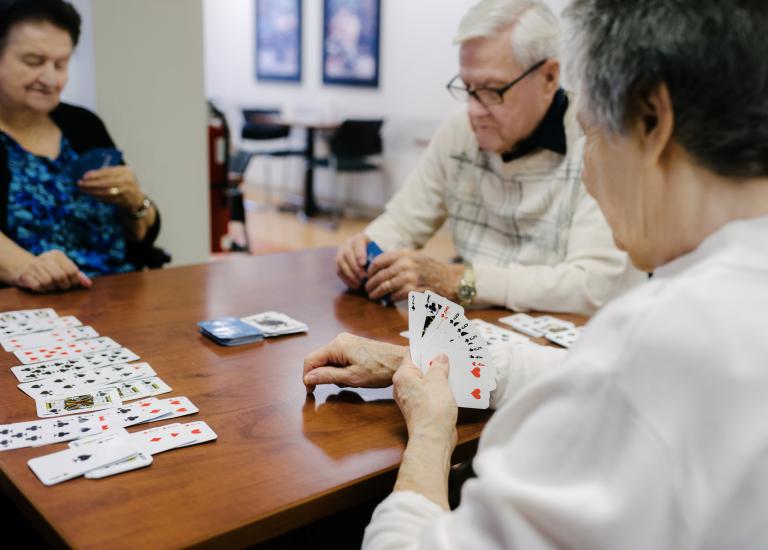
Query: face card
163	438
273	323
42	325
138	389
89	361
65	350
78	403
70	463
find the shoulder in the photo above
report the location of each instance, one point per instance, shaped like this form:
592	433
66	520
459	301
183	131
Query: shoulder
70	116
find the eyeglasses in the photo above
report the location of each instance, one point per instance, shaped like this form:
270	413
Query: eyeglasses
486	96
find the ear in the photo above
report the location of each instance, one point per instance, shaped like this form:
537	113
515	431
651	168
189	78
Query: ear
550	72
655	123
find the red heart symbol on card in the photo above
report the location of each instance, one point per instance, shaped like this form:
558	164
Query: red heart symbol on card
196	431
476	372
476	393
175	402
156	439
175	434
181	409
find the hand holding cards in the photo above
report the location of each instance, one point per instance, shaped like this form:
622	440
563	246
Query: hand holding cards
437	325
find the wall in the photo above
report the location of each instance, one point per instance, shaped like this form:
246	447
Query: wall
81	89
149	86
417	60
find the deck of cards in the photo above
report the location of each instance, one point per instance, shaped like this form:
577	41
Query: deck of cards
437	325
231	331
87	391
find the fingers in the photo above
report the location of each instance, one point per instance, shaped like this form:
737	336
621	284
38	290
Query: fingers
326	359
350	263
439	367
50	271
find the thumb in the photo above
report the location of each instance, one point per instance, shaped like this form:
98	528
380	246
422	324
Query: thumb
439	366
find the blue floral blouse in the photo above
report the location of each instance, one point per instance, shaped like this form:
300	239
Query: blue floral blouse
47	211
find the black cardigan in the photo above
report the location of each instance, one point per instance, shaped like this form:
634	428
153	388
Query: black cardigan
85	131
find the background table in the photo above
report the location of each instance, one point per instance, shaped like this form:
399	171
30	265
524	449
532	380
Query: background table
282	459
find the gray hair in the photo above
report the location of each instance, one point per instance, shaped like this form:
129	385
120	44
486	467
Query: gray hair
711	55
534	38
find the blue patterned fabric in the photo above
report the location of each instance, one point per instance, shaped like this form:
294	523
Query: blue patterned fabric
47	211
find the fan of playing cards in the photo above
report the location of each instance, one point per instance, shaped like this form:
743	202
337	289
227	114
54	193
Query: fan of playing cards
437	325
80	382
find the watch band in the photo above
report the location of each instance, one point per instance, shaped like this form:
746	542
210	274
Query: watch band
146	204
467	290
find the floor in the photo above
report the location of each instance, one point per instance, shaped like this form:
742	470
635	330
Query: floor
270	231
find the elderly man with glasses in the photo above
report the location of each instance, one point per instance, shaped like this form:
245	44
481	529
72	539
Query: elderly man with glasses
506	176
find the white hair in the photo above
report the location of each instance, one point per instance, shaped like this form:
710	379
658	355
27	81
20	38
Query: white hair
536	30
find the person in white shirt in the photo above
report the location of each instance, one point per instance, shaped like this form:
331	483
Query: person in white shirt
652	431
506	177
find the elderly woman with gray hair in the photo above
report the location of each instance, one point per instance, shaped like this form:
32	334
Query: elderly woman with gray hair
652	432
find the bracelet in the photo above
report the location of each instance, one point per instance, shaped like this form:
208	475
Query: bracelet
141	212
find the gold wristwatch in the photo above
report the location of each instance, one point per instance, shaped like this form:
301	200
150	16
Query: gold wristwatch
467	290
146	204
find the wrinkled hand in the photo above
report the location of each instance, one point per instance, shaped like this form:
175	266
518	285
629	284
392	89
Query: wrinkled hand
401	271
50	271
353	361
114	185
426	400
350	260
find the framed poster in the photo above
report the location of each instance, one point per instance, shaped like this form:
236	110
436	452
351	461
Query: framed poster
351	30
278	40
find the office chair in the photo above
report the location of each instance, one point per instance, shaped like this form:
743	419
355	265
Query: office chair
351	147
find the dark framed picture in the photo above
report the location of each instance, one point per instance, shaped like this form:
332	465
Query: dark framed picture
278	40
351	30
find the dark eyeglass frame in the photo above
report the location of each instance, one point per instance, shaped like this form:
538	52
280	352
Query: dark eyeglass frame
500	91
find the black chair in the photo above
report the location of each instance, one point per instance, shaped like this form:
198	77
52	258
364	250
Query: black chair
257	127
351	147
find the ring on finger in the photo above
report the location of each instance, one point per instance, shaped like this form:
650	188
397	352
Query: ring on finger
114	191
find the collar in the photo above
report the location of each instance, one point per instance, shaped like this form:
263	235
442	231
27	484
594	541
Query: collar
550	133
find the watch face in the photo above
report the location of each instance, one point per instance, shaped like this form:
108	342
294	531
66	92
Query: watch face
466	292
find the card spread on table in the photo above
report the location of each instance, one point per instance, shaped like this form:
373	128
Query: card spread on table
495	335
65	350
178	406
565	338
230	331
437	325
163	438
70	463
536	326
274	323
48	338
58	367
59	405
21	316
41	325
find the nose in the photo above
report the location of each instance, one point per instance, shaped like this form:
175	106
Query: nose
48	76
475	108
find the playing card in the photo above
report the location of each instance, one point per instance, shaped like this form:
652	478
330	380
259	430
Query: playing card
565	338
201	431
141	459
40	325
536	326
85	402
495	335
70	463
163	438
230	331
89	361
65	350
95	159
138	389
142	411
273	323
179	406
48	338
26	316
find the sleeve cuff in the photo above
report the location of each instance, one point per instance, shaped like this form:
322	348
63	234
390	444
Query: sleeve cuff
517	365
400	520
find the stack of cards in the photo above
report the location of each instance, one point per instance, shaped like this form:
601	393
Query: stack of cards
230	331
558	331
437	325
273	323
371	252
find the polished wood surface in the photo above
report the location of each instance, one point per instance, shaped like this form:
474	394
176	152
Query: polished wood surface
282	459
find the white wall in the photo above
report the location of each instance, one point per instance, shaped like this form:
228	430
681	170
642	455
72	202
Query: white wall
150	92
81	89
417	60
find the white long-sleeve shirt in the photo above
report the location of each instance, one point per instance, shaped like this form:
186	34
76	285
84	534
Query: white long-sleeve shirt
651	433
535	238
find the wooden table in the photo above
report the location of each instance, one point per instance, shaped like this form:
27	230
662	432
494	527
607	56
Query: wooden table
282	459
